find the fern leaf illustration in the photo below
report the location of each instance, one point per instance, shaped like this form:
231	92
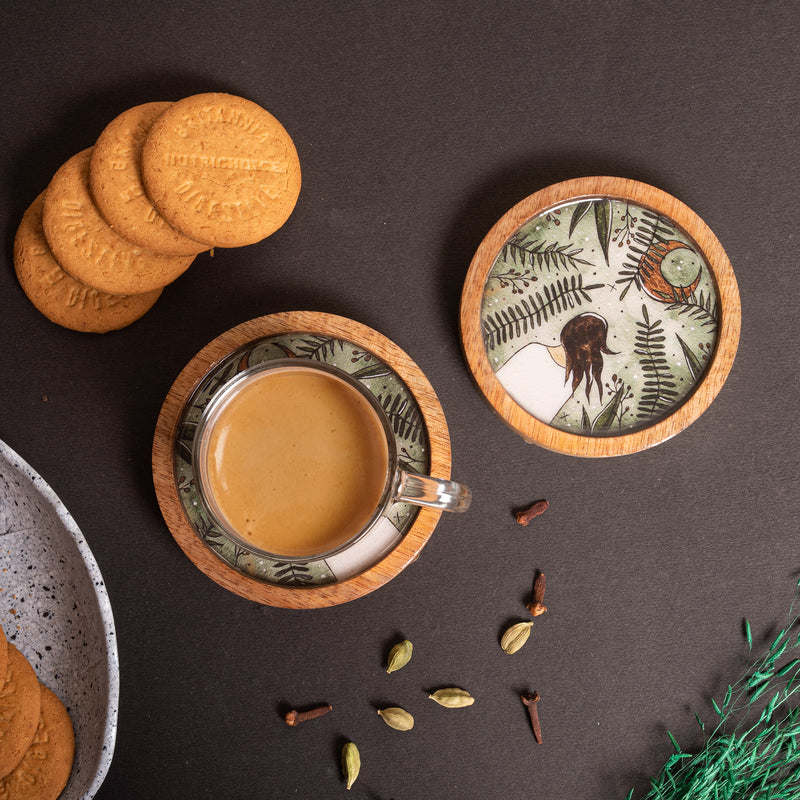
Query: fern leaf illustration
289	573
404	417
524	251
320	347
517	319
702	309
659	391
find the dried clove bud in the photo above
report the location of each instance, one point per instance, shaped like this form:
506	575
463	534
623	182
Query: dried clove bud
296	717
530	701
525	516
537	606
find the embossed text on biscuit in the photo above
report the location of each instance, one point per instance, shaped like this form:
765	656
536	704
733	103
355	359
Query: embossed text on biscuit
226	162
211	115
246	209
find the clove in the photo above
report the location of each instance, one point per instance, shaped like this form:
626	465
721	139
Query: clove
526	515
530	701
296	717
537	606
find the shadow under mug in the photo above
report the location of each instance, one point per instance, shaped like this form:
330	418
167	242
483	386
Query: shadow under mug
398	485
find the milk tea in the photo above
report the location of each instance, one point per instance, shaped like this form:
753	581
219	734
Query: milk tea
297	461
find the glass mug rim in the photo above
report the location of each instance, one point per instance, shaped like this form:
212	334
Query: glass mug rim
229	390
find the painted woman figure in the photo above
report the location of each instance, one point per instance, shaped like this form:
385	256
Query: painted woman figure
538	375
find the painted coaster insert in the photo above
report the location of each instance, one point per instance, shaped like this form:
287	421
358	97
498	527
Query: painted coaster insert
599	316
598	309
410	434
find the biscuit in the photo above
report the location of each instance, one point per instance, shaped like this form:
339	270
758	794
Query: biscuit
59	296
88	249
221	169
3	654
46	765
20	704
115	181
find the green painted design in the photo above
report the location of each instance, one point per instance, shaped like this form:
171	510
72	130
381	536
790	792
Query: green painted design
599	316
396	398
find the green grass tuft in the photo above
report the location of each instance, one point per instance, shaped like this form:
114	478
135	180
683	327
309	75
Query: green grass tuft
753	750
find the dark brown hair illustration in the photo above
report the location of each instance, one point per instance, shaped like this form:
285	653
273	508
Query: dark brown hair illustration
584	342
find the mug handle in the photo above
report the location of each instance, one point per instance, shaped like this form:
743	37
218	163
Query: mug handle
422	490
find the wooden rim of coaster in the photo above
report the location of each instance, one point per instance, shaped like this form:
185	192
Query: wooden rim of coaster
184	533
541	433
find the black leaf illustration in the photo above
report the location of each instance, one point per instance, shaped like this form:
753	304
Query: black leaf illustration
659	391
404	417
696	366
702	309
524	251
372	371
287	572
603	218
516	319
320	347
578	214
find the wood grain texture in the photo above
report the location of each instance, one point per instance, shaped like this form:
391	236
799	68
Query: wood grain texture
163	449
532	429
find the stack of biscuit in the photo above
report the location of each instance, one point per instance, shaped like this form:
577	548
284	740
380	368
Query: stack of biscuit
163	183
37	741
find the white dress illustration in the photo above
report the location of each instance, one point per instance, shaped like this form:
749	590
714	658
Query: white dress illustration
537	376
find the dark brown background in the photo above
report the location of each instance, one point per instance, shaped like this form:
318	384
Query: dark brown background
417	128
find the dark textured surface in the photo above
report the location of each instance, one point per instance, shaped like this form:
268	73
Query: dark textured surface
417	128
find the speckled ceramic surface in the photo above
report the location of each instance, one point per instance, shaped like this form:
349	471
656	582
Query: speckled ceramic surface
407	424
599	316
54	607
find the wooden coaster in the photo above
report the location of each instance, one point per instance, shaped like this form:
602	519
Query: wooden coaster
183	525
600	316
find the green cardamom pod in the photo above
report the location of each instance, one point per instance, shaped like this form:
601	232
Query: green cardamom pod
516	636
397	718
452	698
351	763
399	655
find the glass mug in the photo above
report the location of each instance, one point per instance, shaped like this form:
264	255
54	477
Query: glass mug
297	461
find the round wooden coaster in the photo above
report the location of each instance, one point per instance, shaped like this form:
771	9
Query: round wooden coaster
183	527
600	316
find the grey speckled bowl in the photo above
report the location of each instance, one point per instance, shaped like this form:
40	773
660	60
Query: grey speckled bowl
54	607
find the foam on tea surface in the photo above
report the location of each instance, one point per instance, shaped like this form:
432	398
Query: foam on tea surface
297	461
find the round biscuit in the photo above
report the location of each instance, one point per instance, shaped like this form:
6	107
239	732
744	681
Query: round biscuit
3	654
20	704
46	765
88	249
59	296
115	181
221	169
